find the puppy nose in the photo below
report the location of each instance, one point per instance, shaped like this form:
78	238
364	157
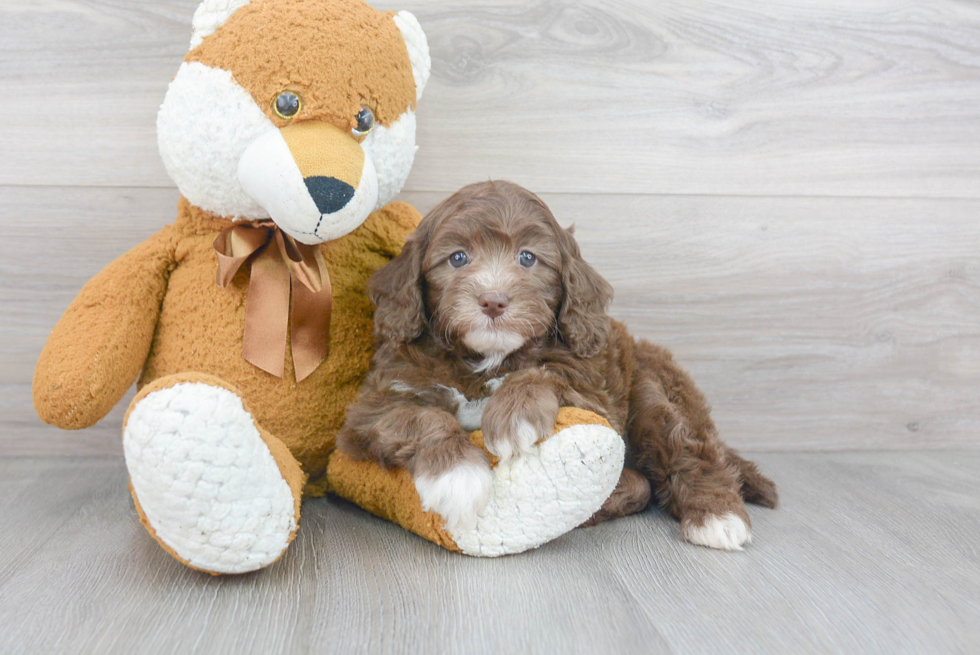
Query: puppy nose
329	193
493	303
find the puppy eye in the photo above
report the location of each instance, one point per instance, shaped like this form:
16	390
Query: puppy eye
365	122
287	105
458	259
527	259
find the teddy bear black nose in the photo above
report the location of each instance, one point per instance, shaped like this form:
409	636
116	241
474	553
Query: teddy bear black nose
329	193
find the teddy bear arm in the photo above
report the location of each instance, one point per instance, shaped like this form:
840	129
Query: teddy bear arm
97	349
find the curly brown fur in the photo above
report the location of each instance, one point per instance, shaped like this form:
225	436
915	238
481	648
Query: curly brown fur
515	328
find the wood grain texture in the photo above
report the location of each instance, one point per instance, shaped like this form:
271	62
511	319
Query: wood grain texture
871	98
56	239
869	552
811	323
704	148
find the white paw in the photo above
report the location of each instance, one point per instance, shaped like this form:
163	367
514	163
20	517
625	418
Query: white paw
519	442
728	532
457	495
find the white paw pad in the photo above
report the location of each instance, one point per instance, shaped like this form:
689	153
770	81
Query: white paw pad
206	480
727	532
456	495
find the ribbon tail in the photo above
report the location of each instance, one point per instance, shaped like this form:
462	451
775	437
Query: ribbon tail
310	319
266	314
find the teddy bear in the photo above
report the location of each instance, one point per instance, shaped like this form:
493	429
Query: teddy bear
288	129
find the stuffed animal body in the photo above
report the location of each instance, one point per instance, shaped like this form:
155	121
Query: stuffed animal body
289	129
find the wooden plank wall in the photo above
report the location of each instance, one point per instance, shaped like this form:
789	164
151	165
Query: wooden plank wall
787	194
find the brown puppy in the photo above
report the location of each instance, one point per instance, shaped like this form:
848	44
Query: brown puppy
490	318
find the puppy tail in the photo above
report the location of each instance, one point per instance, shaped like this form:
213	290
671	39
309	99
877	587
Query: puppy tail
756	488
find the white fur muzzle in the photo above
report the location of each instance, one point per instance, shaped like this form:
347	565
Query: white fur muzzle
268	173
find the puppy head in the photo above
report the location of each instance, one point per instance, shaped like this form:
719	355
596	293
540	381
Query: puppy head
491	268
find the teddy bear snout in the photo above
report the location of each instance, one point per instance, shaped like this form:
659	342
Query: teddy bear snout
316	181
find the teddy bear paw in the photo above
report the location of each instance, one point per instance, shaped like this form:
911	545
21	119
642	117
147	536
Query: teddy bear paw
205	483
546	492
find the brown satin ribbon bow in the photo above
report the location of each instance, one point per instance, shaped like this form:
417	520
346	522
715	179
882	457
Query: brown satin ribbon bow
270	312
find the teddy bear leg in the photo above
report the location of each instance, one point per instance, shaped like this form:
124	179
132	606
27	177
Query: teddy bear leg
556	487
215	490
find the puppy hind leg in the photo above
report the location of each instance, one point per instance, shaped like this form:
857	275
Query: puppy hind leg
631	495
687	463
755	487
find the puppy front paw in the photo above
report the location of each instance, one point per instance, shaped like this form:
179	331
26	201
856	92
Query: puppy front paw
457	495
725	532
514	421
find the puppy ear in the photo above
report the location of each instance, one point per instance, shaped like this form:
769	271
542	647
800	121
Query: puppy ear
582	321
396	291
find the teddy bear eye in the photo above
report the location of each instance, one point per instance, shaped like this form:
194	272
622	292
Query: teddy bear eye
527	259
458	259
365	122
287	105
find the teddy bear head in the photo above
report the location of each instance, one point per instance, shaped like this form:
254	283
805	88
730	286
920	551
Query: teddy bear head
298	111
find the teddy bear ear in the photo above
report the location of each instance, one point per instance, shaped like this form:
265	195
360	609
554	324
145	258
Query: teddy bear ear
210	15
418	49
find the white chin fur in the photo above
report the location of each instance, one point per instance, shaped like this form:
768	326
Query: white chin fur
727	532
457	495
494	345
268	173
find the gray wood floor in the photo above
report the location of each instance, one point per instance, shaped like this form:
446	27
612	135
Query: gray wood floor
869	553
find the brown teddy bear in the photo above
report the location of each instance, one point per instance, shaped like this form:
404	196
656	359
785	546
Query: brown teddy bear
288	129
